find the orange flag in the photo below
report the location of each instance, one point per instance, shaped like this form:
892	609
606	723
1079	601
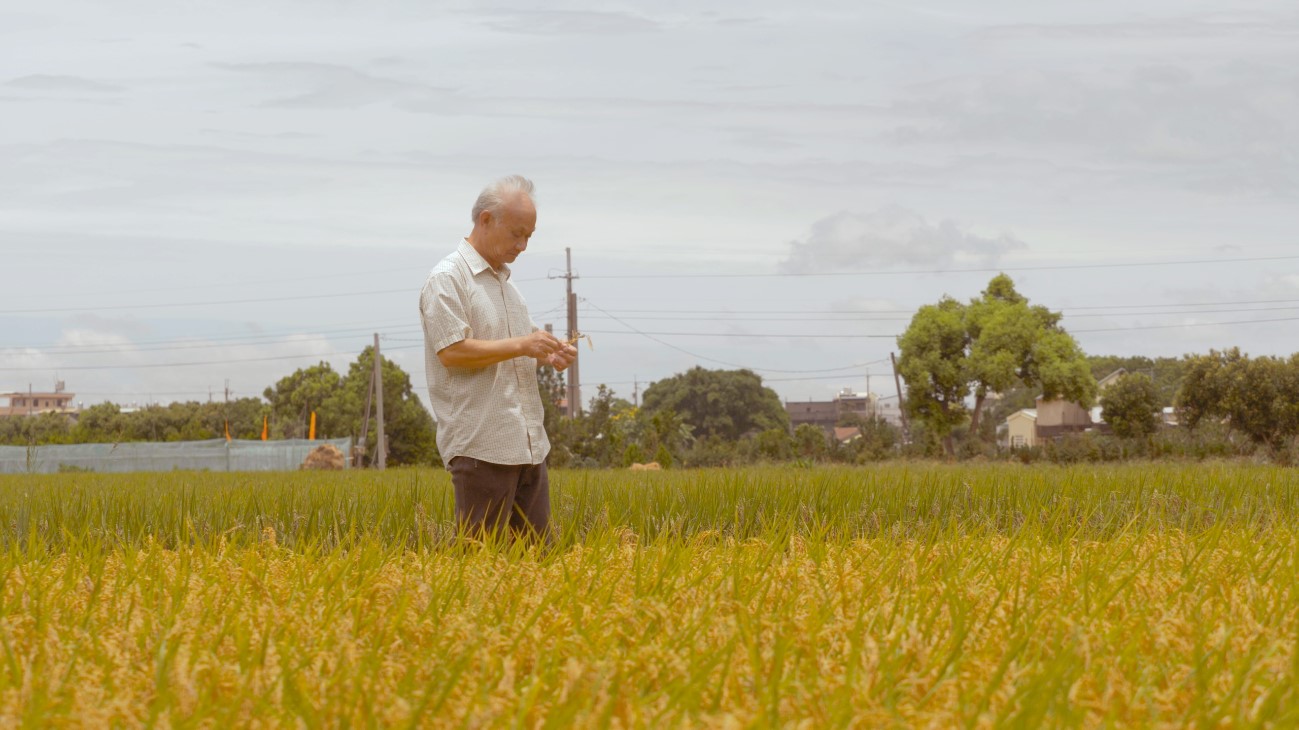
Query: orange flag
264	424
312	436
227	430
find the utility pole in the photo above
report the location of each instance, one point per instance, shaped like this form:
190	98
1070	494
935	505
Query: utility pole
635	391
380	446
574	381
902	408
365	424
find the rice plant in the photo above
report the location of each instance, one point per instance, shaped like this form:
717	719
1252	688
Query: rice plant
913	595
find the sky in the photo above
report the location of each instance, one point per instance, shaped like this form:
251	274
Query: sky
195	196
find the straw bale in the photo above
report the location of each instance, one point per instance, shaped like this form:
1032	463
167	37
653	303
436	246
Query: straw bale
325	456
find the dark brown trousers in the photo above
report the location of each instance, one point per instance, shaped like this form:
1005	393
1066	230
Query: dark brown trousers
491	497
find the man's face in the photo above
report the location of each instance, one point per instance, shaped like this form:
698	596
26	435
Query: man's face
509	230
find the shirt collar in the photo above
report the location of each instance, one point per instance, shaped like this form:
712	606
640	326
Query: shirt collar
478	264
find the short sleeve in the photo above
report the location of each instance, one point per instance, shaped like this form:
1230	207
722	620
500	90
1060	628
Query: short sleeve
442	307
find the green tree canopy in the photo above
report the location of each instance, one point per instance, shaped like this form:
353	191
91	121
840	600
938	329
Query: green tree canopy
1258	397
724	403
998	341
339	404
1166	373
1130	406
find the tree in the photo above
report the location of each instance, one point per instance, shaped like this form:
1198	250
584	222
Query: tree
1165	372
339	403
934	363
408	427
663	457
664	429
724	403
295	396
810	441
878	440
601	436
998	341
1129	406
1259	397
774	444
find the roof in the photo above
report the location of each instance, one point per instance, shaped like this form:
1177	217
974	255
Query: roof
24	394
1111	377
846	433
1025	412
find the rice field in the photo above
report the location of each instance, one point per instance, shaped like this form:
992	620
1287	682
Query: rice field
901	595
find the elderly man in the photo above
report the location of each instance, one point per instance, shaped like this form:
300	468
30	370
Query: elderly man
481	351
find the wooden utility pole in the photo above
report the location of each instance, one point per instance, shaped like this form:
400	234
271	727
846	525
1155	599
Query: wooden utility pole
380	446
365	424
574	381
902	406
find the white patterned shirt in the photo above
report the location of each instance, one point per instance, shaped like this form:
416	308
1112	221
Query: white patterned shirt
491	413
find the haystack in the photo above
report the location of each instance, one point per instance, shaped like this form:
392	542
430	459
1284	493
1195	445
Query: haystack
652	466
325	456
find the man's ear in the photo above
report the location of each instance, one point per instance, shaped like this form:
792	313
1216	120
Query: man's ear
485	218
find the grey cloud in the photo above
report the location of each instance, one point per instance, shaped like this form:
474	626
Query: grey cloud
329	86
1232	127
569	22
258	135
889	236
1209	26
50	82
123	327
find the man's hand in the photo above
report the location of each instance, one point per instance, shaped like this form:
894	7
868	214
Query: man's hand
540	345
562	358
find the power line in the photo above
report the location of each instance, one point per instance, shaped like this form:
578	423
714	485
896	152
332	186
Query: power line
206	342
845	336
650	336
129	348
356	332
852	316
216	302
820	377
913	309
1186	324
211	303
345	327
801	335
191	364
229	284
981	270
702	275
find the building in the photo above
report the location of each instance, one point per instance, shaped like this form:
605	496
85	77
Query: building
1053	418
822	414
888	410
1019	429
826	415
32	403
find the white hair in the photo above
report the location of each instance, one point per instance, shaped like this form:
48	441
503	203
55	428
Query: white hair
495	195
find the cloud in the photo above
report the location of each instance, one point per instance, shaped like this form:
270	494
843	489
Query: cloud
569	22
48	82
1204	27
1232	128
889	236
330	86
